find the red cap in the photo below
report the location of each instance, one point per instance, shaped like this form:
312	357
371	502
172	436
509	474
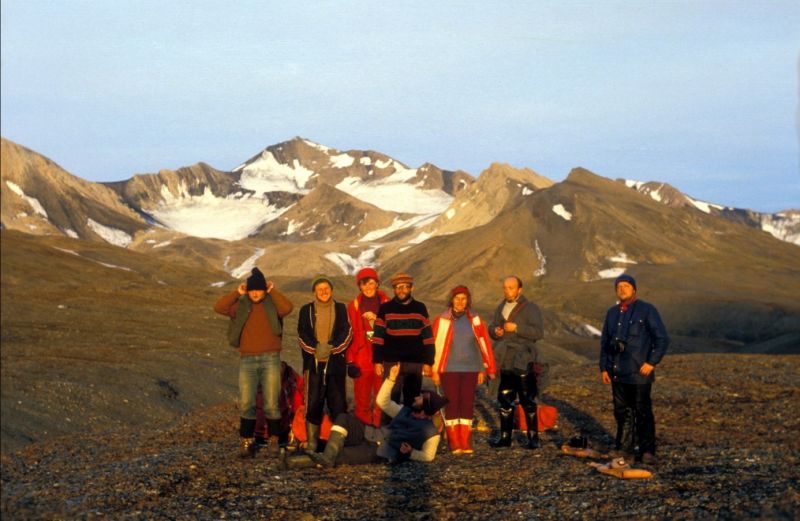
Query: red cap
366	273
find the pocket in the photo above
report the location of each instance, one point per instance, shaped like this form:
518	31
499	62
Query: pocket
636	328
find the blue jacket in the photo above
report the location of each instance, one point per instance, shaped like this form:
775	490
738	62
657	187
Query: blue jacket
646	341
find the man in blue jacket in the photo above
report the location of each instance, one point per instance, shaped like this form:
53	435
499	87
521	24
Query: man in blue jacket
633	342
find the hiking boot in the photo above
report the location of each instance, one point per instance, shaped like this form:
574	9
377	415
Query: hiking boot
648	458
247	448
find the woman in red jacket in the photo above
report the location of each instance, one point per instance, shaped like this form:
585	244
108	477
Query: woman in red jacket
362	311
464	358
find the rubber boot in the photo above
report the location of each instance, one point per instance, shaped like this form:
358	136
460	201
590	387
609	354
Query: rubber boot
454	439
312	433
332	449
532	440
296	461
506	426
466	437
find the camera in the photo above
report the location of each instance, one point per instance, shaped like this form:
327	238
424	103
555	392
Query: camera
620	345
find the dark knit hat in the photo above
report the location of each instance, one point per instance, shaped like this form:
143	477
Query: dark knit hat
458	290
402	278
367	273
321	278
256	281
625	278
432	402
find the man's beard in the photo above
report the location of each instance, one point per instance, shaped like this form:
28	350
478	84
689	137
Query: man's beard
404	299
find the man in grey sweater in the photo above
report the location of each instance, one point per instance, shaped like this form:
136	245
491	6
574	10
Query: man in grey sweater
516	326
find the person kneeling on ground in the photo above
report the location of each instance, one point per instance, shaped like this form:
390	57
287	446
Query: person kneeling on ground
411	435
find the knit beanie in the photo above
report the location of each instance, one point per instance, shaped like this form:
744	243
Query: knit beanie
402	278
367	273
625	278
321	278
256	281
458	290
433	402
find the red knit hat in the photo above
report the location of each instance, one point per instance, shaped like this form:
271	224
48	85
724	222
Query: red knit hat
457	291
367	273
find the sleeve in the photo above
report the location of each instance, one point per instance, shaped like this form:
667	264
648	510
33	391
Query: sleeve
378	336
658	333
604	341
282	304
532	328
428	451
358	333
495	323
344	331
225	305
428	347
384	399
485	345
305	331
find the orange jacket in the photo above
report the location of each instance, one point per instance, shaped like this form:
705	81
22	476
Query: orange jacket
360	350
443	339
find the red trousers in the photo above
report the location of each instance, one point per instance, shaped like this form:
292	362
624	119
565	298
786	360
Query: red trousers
365	389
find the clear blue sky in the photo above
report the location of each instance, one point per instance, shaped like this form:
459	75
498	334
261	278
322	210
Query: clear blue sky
700	94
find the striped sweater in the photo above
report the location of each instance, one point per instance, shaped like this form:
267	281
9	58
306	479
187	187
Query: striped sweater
402	333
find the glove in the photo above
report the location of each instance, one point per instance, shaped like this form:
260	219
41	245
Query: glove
353	371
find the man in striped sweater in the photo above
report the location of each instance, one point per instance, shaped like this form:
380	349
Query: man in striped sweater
402	333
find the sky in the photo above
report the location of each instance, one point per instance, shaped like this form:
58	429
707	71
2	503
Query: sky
699	94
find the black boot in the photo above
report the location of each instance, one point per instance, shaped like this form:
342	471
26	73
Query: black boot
506	426
247	446
332	449
312	433
532	440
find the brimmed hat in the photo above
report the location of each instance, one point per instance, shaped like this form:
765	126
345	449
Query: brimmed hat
366	273
256	281
321	278
625	278
402	278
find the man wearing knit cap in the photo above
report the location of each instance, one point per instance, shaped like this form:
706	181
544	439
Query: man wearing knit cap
363	310
256	310
403	334
324	333
633	342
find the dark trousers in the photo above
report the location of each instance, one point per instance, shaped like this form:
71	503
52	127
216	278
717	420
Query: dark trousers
323	387
633	411
408	384
517	385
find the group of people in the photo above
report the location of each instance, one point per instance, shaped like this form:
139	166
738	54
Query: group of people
388	344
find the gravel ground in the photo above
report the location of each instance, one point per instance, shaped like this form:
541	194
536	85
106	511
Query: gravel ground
728	449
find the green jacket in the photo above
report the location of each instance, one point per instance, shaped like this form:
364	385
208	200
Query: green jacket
243	313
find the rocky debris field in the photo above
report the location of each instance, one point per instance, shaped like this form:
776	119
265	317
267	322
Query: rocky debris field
727	428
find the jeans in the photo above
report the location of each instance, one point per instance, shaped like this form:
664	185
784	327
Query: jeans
264	369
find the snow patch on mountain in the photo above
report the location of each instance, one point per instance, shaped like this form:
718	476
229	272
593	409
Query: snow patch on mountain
526	191
393	193
71	233
349	264
35	204
630	183
541	270
245	267
109	234
562	212
422	237
366	160
592	330
266	174
450	213
229	218
611	273
622	258
321	148
342	161
703	206
398	224
784	226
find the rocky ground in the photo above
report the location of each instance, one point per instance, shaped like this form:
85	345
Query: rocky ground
727	427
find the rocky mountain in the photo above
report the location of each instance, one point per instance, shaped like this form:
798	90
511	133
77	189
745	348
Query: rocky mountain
783	225
40	197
